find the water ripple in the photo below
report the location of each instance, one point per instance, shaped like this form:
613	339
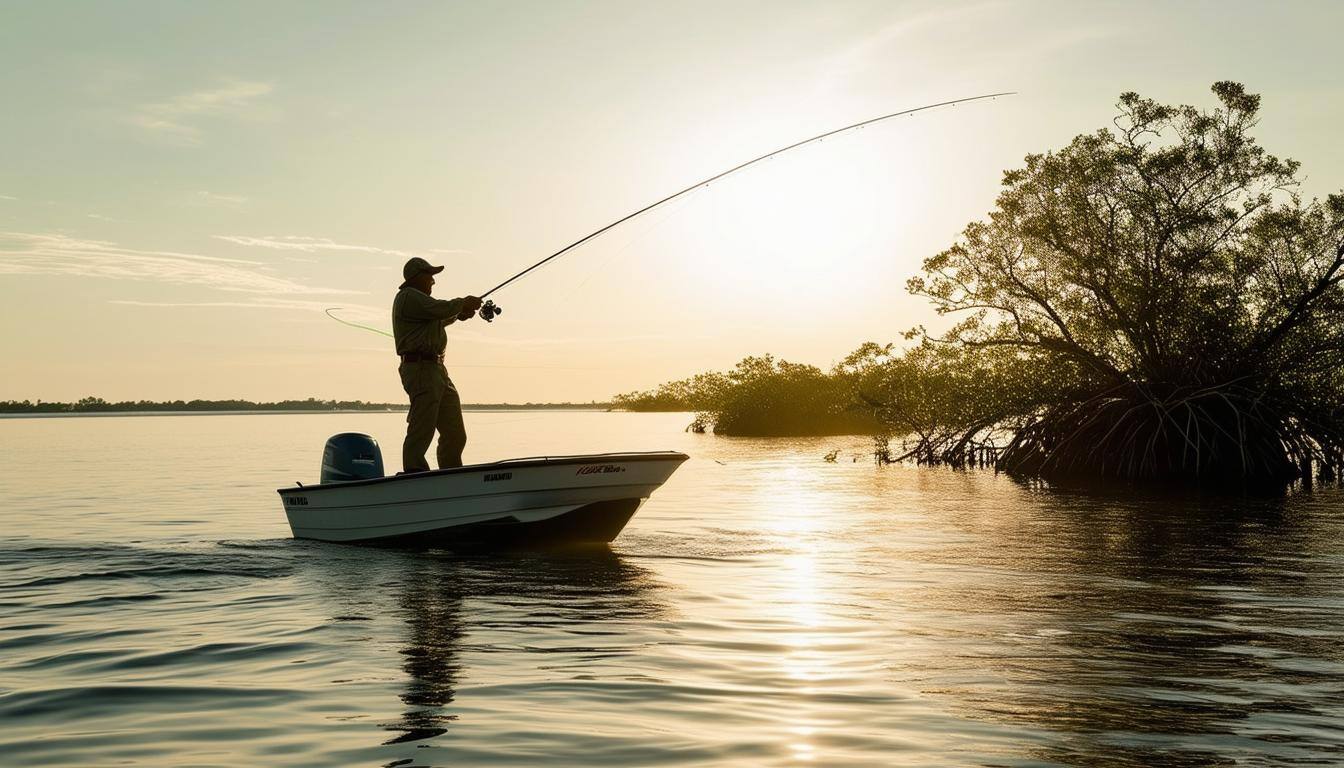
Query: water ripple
764	609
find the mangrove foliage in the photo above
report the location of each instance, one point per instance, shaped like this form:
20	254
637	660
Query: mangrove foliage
1170	268
762	397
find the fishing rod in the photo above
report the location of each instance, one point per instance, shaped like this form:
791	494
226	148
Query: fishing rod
489	309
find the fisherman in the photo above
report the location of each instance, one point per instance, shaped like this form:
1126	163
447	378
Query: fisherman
418	321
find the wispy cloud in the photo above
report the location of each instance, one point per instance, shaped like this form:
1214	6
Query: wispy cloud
7	197
974	30
214	198
178	117
865	52
101	217
310	245
260	302
24	253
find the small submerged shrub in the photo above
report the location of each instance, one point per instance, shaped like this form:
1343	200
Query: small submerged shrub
762	397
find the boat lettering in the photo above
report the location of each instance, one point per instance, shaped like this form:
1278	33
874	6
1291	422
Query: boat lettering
600	469
493	476
296	501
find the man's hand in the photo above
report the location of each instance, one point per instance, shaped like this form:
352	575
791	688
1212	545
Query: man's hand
467	315
471	303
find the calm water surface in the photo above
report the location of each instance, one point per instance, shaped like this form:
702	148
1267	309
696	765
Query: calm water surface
764	609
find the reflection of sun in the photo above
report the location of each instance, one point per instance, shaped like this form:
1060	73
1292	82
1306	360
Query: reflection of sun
794	506
803	604
801	599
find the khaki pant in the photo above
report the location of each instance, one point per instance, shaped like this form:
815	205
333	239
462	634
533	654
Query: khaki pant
435	405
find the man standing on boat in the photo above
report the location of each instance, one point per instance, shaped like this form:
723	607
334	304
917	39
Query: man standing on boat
418	321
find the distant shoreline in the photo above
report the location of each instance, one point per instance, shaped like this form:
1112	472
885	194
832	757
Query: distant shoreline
469	408
92	407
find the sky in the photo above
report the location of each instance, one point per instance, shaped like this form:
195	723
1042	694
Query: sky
185	187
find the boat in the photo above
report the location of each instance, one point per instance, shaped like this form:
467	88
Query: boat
543	499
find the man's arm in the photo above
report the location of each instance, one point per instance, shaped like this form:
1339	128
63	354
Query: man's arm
422	308
464	315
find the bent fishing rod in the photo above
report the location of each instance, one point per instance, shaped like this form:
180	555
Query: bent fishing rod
489	309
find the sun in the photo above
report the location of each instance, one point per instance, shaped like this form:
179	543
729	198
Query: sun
814	226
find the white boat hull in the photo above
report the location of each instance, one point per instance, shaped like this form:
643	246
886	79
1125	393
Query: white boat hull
574	498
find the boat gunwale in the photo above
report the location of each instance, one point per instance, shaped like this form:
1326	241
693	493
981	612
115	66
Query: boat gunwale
525	462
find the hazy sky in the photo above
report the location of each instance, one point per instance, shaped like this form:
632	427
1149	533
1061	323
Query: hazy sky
185	186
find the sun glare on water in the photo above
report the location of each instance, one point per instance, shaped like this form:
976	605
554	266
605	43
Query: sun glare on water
799	600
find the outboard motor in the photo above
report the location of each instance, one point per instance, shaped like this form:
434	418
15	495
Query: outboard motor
351	456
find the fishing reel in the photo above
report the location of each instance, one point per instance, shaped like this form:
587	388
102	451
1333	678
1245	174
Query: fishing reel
488	311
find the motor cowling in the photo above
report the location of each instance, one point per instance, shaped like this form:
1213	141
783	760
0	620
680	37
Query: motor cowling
351	456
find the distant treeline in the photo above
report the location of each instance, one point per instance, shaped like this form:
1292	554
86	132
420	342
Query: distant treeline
99	405
1155	301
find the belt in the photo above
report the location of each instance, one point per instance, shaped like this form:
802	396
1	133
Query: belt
416	357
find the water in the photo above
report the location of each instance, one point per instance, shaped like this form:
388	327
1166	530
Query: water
764	609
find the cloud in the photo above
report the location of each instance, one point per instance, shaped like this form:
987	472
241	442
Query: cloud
207	197
257	303
101	217
176	117
7	197
309	245
23	253
973	31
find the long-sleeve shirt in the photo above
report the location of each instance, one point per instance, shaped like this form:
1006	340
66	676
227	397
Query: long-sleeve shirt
418	320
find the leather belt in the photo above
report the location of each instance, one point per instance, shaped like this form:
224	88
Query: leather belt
419	358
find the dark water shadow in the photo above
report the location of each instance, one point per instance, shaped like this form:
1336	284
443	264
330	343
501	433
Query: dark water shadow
440	598
1159	628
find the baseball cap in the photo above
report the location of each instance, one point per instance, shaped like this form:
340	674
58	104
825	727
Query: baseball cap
416	266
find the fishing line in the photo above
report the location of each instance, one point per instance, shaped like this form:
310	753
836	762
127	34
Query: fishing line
489	310
537	367
621	251
380	331
328	312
